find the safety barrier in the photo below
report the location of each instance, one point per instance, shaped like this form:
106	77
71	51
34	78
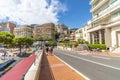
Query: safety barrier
35	68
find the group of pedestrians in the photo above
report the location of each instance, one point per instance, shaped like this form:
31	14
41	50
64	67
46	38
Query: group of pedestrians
49	50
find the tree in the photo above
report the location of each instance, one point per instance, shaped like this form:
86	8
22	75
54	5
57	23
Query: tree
23	42
51	43
43	38
82	41
6	38
56	35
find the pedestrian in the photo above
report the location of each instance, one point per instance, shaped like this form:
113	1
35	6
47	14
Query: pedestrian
47	49
5	53
51	50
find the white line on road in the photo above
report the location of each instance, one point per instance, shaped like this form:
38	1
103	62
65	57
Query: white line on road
101	57
93	62
86	78
83	53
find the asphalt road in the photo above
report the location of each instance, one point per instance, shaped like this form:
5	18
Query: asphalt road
94	67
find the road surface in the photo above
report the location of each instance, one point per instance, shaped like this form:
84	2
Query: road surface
94	67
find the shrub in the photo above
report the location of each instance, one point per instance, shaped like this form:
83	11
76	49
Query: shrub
82	41
95	46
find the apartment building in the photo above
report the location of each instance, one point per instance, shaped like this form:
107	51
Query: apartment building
72	36
45	30
63	31
104	28
23	31
81	33
7	27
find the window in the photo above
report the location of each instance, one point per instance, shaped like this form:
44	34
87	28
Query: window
96	37
103	36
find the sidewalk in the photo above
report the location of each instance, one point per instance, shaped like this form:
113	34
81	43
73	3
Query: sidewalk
102	53
53	69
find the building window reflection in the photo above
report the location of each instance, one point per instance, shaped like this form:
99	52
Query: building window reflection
96	37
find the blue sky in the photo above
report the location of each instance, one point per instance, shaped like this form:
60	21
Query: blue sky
78	13
73	13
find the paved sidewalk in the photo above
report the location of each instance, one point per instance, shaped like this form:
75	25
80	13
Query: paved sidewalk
102	53
53	69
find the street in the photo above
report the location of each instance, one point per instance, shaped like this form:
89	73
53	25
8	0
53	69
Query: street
94	67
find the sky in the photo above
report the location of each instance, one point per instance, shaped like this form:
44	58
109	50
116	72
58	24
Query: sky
72	13
77	14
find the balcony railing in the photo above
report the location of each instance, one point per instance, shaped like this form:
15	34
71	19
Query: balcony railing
110	24
99	26
111	8
92	1
98	5
107	11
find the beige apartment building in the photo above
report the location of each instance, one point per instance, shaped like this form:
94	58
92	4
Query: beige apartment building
45	30
7	27
23	31
81	33
105	24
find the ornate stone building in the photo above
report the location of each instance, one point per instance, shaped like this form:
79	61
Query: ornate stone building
23	31
45	30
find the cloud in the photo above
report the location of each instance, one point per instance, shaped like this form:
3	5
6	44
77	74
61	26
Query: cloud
31	11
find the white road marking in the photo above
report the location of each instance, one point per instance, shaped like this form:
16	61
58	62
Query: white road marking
93	62
83	53
86	78
101	57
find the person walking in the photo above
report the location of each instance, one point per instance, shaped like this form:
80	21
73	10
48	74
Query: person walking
47	49
5	53
51	50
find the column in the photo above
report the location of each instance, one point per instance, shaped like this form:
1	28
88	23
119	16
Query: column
100	37
93	38
108	37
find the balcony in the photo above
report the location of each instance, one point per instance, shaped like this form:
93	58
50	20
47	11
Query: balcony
111	8
113	23
92	1
107	12
97	27
101	3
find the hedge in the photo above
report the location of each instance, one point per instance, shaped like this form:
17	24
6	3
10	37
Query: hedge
95	46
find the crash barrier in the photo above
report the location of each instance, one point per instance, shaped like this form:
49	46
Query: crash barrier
35	68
